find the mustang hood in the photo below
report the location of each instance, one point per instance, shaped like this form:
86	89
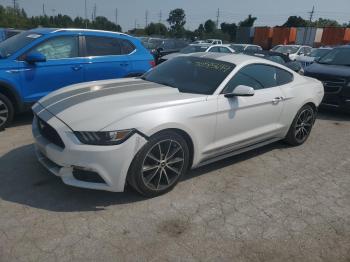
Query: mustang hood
95	105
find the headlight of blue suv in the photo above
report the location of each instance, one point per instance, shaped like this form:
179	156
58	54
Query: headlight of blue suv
107	138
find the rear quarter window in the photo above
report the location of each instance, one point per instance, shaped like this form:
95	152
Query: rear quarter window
283	77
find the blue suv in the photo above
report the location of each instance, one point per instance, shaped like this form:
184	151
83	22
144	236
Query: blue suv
37	62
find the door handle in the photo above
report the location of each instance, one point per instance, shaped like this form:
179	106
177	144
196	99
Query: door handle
124	64
276	100
76	68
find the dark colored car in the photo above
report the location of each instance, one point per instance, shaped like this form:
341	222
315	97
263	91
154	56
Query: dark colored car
7	33
277	58
161	47
333	70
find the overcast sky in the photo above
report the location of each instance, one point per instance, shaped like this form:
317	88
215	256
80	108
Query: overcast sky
269	12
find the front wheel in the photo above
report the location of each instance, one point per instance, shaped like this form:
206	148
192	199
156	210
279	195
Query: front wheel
160	164
301	127
6	111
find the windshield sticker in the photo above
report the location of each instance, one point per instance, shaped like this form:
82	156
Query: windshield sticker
34	36
213	66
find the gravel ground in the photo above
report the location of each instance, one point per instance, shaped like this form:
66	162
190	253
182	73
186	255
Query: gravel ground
276	203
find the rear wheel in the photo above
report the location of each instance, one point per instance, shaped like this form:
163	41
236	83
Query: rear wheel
301	127
6	111
160	164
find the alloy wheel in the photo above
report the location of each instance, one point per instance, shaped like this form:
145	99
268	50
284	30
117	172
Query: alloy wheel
304	124
4	113
163	164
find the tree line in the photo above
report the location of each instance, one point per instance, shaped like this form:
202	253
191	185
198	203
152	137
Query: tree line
17	18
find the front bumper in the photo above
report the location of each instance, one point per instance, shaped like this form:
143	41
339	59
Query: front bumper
111	163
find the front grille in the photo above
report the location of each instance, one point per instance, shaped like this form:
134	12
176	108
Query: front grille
50	133
332	85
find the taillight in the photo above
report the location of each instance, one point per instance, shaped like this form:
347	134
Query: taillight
152	63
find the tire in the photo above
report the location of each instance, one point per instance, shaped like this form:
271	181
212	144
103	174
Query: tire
159	165
301	127
6	111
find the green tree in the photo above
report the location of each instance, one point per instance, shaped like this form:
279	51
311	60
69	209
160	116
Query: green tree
248	22
230	29
177	21
156	29
209	26
324	22
295	21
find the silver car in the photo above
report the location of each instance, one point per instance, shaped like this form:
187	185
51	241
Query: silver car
185	113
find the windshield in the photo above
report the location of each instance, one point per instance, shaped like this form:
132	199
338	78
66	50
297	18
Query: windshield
287	49
338	56
190	74
193	49
17	42
317	53
237	48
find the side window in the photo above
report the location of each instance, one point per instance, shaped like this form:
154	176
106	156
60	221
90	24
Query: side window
214	49
251	48
59	48
102	46
127	47
224	50
257	76
283	77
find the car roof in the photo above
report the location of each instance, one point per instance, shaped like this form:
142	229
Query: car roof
343	46
45	31
231	58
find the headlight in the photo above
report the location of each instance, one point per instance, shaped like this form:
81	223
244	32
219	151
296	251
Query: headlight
107	138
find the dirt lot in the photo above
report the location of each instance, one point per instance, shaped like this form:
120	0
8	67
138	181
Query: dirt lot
273	204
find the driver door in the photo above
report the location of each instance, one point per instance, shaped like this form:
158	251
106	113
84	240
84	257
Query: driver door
244	121
62	68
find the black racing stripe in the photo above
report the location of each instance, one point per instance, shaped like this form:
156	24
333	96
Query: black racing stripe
61	106
68	94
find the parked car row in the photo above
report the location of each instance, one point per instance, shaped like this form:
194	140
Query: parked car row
100	132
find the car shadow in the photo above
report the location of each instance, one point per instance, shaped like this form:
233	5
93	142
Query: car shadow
333	115
25	181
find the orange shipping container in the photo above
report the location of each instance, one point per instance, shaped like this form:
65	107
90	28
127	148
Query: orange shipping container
263	37
335	36
284	35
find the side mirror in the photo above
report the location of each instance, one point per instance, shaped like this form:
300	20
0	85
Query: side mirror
160	49
35	57
241	90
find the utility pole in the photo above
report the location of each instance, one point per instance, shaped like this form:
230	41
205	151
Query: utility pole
309	25
217	18
86	21
160	16
146	18
44	10
116	16
135	23
94	12
14	4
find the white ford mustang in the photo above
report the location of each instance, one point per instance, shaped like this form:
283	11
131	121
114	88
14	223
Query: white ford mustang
187	112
